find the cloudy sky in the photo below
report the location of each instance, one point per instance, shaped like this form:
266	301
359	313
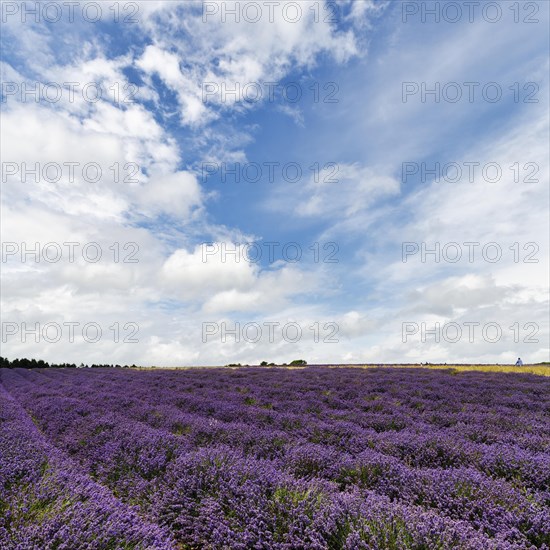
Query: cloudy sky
203	183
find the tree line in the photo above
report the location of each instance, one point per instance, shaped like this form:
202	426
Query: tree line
25	363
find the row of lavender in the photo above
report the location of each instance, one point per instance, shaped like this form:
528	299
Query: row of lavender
47	502
313	458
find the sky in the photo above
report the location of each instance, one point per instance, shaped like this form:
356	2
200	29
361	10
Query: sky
207	183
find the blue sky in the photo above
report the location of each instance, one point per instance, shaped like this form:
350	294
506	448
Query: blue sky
359	209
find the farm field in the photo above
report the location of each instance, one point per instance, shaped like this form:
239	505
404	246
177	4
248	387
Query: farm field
540	369
309	458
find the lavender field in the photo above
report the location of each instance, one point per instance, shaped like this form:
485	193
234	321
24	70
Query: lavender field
245	458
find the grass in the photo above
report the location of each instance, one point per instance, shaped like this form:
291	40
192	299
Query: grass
540	369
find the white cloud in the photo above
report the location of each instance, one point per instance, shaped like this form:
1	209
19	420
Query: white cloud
222	52
167	66
176	195
336	191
